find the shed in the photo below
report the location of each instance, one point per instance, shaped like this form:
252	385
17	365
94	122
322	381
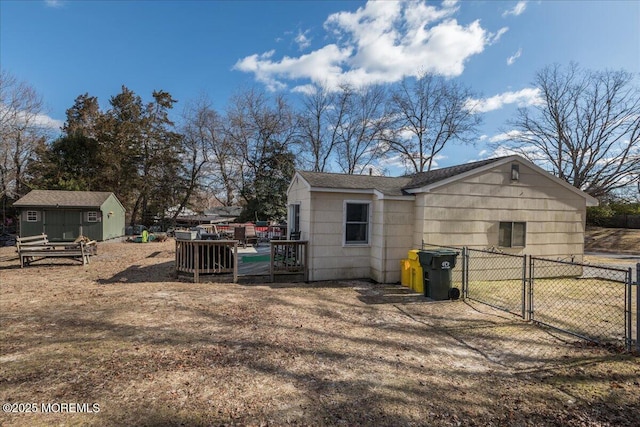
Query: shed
360	227
66	215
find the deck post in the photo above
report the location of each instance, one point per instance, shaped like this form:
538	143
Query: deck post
196	262
235	262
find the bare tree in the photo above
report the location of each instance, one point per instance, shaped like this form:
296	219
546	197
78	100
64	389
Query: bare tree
21	130
586	130
210	159
263	130
318	126
428	113
360	121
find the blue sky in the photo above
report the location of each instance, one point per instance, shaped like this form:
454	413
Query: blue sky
188	48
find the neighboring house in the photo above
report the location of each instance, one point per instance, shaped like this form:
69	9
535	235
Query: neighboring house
361	226
66	215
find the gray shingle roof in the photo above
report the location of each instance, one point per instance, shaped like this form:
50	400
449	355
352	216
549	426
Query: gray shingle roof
390	186
425	178
61	198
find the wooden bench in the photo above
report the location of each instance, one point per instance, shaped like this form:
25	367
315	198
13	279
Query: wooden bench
34	248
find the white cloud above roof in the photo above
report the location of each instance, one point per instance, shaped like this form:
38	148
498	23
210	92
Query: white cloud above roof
522	98
303	40
512	58
518	9
381	42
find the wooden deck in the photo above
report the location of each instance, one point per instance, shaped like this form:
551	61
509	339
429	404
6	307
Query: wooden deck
217	258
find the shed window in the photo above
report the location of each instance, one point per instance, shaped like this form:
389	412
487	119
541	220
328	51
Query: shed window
92	216
356	223
294	220
512	234
32	216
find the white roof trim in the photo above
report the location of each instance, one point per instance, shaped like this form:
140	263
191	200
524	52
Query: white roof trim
297	175
382	196
343	190
591	201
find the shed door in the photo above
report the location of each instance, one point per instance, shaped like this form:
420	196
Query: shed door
62	225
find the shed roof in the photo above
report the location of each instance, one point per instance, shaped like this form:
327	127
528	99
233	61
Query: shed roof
63	198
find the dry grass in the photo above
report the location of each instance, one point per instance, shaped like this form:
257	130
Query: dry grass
617	240
150	350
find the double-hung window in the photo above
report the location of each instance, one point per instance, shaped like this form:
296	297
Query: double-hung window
92	216
32	216
356	224
512	234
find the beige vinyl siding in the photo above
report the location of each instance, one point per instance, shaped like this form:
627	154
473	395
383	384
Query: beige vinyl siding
299	194
393	225
329	258
468	212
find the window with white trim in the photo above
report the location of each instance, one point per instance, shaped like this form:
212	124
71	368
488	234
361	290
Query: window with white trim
92	216
32	216
512	234
356	226
294	219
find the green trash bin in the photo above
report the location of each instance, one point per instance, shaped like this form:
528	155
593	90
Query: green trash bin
437	266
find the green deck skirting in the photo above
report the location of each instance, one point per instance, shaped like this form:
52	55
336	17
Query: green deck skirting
256	258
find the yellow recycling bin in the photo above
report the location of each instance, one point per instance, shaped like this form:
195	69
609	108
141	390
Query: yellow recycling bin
411	272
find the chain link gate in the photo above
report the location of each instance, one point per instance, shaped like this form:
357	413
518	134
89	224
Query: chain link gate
595	303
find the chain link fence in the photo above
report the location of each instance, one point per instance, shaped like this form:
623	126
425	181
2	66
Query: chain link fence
596	303
497	280
591	302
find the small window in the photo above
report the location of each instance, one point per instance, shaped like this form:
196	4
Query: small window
294	220
515	172
512	234
356	223
92	216
32	216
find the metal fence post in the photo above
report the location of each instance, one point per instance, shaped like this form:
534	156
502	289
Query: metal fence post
524	287
638	307
628	309
531	284
465	266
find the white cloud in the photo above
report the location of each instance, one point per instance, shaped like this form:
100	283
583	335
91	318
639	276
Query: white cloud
305	89
21	118
54	3
522	98
512	58
493	38
303	41
42	120
505	137
381	42
517	10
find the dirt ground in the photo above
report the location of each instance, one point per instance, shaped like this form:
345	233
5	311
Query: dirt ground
617	240
126	341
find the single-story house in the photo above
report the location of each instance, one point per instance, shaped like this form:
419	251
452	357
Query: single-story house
361	226
66	215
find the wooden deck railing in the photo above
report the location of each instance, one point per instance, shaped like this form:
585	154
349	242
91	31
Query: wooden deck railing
207	257
289	257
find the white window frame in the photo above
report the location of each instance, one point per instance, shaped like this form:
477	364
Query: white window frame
93	216
511	243
344	223
32	216
293	221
